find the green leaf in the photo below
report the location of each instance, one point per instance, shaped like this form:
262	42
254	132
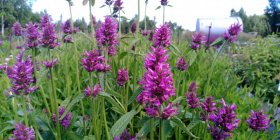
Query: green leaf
158	7
70	135
112	101
122	55
193	124
102	6
170	5
146	128
90	137
134	95
7	128
71	104
192	57
217	41
180	124
66	102
122	123
178	99
92	2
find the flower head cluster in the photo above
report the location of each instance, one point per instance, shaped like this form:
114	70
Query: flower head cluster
17	29
32	35
169	111
93	61
122	77
197	40
66	27
21	75
145	32
93	92
258	121
67	30
45	19
181	64
224	120
125	135
48	38
163	2
65	122
157	82
106	35
117	7
50	64
192	99
232	33
162	36
22	132
208	107
133	27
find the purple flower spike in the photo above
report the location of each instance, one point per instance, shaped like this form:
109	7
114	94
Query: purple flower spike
224	120
89	61
50	64
68	39
157	82
32	35
197	40
169	111
162	36
107	35
112	51
144	32
117	7
181	64
17	29
22	132
192	100
45	19
258	121
133	27
93	92
48	38
163	2
66	27
125	135
232	33
21	75
209	105
218	133
122	77
65	122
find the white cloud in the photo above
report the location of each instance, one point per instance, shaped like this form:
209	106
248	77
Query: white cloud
184	12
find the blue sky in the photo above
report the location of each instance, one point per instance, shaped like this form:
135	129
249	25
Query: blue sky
184	12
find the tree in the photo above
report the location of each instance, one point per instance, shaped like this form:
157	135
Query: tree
272	12
17	10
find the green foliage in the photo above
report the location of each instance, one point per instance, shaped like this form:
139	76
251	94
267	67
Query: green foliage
272	12
258	66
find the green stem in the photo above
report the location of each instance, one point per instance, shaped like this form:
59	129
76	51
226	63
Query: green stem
120	24
91	24
161	129
45	100
152	129
24	110
104	119
212	68
138	18
163	15
146	3
55	105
